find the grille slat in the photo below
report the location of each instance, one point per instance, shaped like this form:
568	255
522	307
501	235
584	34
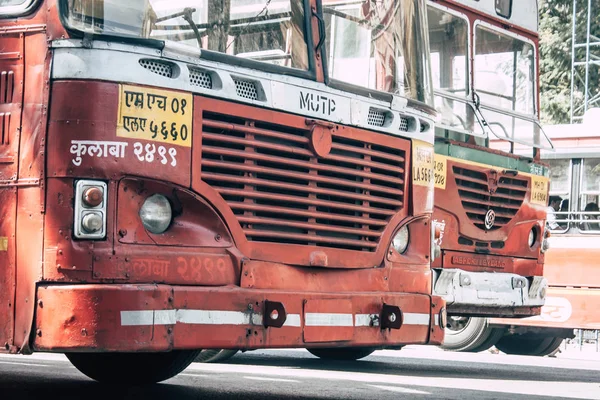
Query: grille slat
357	197
369	152
287	174
477	199
282	192
300	238
309	214
307	226
284	161
306	201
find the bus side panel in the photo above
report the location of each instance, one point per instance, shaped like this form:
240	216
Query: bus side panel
11	104
8	202
31	192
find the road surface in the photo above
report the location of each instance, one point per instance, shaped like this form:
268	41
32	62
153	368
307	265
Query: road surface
412	373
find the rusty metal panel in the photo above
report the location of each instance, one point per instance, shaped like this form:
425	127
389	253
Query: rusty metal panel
330	320
8	208
11	103
162	317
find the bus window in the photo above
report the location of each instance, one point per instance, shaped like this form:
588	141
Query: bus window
590	194
560	185
449	43
368	46
504	71
261	30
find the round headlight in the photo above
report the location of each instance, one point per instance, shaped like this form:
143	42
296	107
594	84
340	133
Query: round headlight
400	241
532	237
156	214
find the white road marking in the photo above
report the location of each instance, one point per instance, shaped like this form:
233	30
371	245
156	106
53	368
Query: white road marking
399	389
567	390
260	378
194	375
25	364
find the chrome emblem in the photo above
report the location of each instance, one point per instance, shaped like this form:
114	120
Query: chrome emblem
490	219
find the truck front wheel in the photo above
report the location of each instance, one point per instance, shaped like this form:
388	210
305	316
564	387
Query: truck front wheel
342	354
470	334
529	345
132	368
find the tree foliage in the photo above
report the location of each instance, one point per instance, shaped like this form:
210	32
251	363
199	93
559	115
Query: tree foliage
556	27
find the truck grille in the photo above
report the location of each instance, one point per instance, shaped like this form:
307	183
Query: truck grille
477	200
281	192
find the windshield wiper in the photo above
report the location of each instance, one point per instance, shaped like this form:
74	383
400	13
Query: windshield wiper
186	14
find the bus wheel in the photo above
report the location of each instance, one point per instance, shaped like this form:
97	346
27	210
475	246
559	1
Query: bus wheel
132	368
529	345
342	354
215	355
470	334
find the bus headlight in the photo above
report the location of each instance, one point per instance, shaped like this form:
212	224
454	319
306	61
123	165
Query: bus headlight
400	241
156	214
89	221
532	237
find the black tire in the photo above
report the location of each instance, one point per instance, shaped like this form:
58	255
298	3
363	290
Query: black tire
342	354
132	368
529	345
215	355
470	334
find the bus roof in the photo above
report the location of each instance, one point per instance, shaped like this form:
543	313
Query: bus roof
520	13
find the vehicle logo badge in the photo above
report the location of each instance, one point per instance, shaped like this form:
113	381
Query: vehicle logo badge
490	219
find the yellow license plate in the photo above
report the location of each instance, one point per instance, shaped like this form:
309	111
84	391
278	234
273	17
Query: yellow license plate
422	163
539	190
157	115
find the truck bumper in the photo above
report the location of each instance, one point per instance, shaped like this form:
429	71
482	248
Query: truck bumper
489	293
129	318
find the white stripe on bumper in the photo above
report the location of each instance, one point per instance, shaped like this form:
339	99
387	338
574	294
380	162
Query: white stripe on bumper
222	317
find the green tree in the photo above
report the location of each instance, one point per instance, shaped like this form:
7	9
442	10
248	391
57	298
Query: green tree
556	25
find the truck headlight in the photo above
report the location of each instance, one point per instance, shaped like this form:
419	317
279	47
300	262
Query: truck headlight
400	241
156	214
532	237
89	221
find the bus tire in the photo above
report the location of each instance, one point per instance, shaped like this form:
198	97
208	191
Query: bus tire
529	345
342	354
470	334
215	355
132	368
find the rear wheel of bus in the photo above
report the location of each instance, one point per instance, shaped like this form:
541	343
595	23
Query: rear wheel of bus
342	354
529	344
132	368
215	355
470	334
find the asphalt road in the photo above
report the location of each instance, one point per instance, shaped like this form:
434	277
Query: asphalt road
412	373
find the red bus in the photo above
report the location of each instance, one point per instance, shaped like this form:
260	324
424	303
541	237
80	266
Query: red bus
490	202
178	176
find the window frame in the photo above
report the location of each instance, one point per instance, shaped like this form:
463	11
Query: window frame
568	193
310	73
18	11
581	193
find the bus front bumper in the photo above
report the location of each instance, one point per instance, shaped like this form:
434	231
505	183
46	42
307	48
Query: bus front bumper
490	294
145	317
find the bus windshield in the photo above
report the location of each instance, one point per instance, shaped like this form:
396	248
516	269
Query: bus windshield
270	31
380	45
505	82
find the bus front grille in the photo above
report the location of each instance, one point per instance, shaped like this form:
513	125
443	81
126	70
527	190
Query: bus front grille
282	192
477	199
